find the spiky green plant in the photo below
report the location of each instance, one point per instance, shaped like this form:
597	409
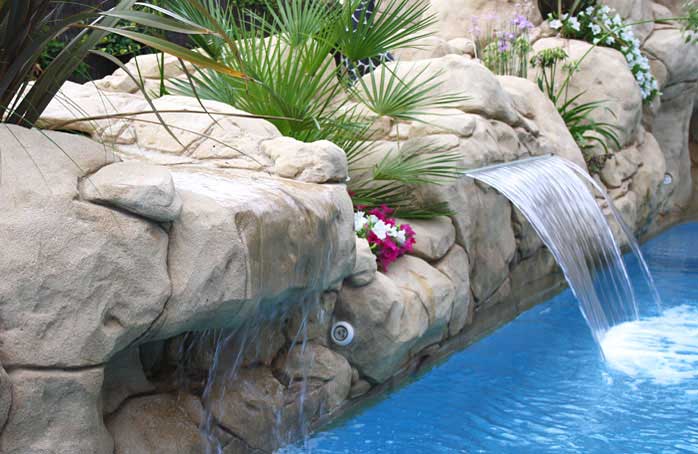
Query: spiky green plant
26	29
293	80
578	116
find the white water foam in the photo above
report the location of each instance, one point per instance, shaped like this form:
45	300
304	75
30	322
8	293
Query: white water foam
662	349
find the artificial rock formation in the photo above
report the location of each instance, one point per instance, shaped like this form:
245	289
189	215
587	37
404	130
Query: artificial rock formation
137	272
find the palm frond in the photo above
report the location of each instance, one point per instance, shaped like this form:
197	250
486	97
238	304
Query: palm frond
386	94
418	168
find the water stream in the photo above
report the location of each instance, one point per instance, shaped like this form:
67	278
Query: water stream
553	195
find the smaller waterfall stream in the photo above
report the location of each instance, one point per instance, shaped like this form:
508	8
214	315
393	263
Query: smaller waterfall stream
553	195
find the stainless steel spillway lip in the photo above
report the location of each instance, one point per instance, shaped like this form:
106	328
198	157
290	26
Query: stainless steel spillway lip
507	164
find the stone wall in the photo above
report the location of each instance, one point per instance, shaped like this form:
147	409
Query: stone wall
137	271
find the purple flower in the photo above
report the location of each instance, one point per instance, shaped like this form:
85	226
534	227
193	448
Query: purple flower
521	22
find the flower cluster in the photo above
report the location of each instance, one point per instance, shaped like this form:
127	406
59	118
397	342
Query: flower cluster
502	43
388	239
598	25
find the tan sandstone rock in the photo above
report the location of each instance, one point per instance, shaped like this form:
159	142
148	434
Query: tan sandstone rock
433	237
456	266
328	374
386	327
154	424
137	187
317	162
81	281
429	287
365	266
603	76
55	412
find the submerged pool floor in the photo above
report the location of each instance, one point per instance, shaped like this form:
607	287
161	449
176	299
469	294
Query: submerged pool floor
540	384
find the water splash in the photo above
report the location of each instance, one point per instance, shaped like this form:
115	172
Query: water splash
568	219
661	349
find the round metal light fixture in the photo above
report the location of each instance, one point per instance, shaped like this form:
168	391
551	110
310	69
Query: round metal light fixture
342	333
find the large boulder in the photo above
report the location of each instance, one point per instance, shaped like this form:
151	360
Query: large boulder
552	133
604	76
433	237
387	325
246	242
428	287
456	266
55	412
154	424
263	397
140	188
326	375
80	281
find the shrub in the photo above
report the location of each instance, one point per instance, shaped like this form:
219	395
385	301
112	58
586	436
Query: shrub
295	83
502	43
578	117
599	26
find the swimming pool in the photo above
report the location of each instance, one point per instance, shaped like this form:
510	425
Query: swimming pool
540	384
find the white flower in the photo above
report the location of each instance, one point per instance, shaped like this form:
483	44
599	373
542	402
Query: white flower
359	221
555	24
605	9
610	40
589	10
595	29
574	23
372	219
565	16
596	41
392	231
640	76
401	237
380	229
617	20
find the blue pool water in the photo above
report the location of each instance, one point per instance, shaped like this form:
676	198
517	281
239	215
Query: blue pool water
540	384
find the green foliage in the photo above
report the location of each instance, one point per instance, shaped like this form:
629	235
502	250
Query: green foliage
578	116
26	29
50	52
119	46
690	22
292	80
503	43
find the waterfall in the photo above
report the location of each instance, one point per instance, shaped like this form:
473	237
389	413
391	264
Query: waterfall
554	195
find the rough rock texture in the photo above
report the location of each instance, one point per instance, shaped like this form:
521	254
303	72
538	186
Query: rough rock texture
387	326
243	241
603	74
365	266
455	265
158	423
55	412
328	374
5	397
670	123
424	285
434	237
81	281
137	187
123	378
